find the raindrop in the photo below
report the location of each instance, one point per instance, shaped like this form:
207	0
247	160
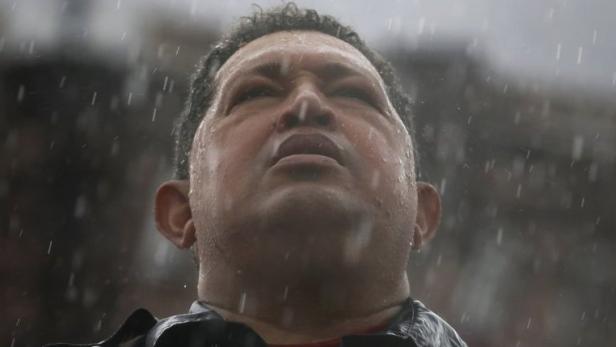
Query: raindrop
130	98
359	241
115	148
62	82
20	93
285	295
516	118
118	4
165	83
93	98
443	186
594	36
577	148
49	248
242	302
499	236
80	207
421	25
518	191
558	49
177	51
214	65
98	325
582	202
530	320
580	54
71	280
302	111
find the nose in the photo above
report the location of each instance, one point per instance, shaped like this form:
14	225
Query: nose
307	106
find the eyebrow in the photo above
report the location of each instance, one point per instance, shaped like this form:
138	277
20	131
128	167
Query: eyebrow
328	71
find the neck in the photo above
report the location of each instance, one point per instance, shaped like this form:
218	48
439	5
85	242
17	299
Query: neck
303	312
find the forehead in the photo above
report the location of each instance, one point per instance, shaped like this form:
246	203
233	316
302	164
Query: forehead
296	49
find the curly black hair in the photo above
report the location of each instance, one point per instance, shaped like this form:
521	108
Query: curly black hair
283	18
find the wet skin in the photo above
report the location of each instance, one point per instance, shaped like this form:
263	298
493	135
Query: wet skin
302	196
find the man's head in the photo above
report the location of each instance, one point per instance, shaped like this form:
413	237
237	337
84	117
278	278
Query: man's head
295	160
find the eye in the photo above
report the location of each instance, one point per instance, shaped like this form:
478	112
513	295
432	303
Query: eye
255	92
355	93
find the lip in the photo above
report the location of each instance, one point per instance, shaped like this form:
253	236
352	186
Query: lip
310	148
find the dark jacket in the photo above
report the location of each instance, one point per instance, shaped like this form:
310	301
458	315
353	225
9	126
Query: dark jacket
414	326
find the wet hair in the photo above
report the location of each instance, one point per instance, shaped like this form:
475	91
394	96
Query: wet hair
287	17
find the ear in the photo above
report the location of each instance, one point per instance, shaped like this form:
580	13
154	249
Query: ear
428	214
172	213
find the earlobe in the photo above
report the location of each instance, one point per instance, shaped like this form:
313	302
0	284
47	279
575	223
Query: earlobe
428	214
172	213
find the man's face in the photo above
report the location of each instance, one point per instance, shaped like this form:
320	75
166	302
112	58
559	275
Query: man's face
301	165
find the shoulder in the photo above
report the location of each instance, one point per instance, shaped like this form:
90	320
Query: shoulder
429	329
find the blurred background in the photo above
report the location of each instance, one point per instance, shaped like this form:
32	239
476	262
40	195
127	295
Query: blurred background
516	126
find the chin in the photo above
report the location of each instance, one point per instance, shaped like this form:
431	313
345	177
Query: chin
312	205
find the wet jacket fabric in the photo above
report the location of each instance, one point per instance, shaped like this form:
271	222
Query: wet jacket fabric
414	326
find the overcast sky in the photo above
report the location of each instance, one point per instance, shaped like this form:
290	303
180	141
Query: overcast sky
563	41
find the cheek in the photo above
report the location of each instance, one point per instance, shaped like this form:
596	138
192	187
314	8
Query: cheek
384	156
226	160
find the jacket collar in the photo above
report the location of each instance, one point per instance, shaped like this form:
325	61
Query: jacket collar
413	326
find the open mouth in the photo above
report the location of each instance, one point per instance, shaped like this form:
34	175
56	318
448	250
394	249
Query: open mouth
309	146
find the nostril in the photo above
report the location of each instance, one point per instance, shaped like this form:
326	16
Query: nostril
292	121
322	119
